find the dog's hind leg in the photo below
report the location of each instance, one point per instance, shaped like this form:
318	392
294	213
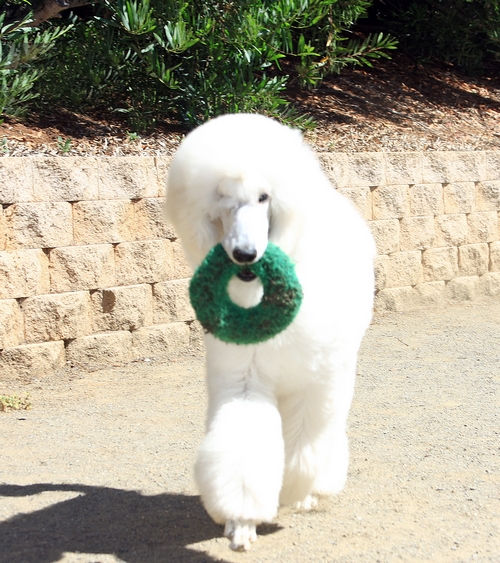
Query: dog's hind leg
332	475
239	468
316	446
333	445
301	432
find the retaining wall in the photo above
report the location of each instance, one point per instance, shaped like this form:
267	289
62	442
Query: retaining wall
90	273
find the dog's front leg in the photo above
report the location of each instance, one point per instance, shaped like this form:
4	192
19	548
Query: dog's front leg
241	534
239	468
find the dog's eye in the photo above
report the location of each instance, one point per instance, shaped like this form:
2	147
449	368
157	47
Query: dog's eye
263	198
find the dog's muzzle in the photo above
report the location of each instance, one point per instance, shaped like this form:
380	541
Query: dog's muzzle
246	275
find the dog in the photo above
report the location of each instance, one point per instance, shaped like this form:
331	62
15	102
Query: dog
277	410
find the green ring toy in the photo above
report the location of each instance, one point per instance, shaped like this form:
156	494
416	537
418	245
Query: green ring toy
230	322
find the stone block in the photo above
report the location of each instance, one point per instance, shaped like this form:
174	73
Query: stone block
492	165
403	168
162	167
381	264
150	221
122	308
365	169
11	324
23	273
73	268
404	269
446	167
430	294
386	234
440	263
3	229
171	302
196	337
450	230
417	233
147	261
39	225
181	267
105	348
17	180
161	340
426	199
361	198
394	299
128	177
488	196
65	179
473	259
494	264
489	284
390	202
335	166
483	227
463	289
459	197
97	222
56	316
32	361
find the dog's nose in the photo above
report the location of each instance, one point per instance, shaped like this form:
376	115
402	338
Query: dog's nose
243	256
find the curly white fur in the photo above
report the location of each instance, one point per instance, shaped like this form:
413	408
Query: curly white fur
276	423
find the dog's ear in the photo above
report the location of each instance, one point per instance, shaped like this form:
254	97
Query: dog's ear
196	243
285	225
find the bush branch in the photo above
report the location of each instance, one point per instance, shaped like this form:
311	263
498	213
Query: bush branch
42	11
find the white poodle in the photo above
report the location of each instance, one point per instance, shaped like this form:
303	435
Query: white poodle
276	423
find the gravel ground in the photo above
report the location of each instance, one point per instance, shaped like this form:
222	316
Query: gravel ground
100	470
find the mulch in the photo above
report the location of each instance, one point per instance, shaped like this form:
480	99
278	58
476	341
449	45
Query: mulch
398	105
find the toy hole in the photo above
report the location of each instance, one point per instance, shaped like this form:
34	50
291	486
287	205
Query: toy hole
245	294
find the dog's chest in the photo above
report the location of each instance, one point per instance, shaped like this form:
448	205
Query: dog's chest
287	365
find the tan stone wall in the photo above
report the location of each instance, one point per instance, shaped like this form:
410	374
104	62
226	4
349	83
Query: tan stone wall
90	273
435	217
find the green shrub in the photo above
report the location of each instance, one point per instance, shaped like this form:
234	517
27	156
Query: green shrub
20	47
463	32
192	60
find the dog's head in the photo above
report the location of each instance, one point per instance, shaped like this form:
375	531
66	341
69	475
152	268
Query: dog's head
240	180
242	212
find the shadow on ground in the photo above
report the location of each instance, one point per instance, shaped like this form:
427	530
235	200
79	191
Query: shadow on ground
133	527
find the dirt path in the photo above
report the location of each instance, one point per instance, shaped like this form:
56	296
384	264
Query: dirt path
100	470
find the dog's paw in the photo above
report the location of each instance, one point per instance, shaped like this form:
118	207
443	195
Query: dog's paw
241	533
308	503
